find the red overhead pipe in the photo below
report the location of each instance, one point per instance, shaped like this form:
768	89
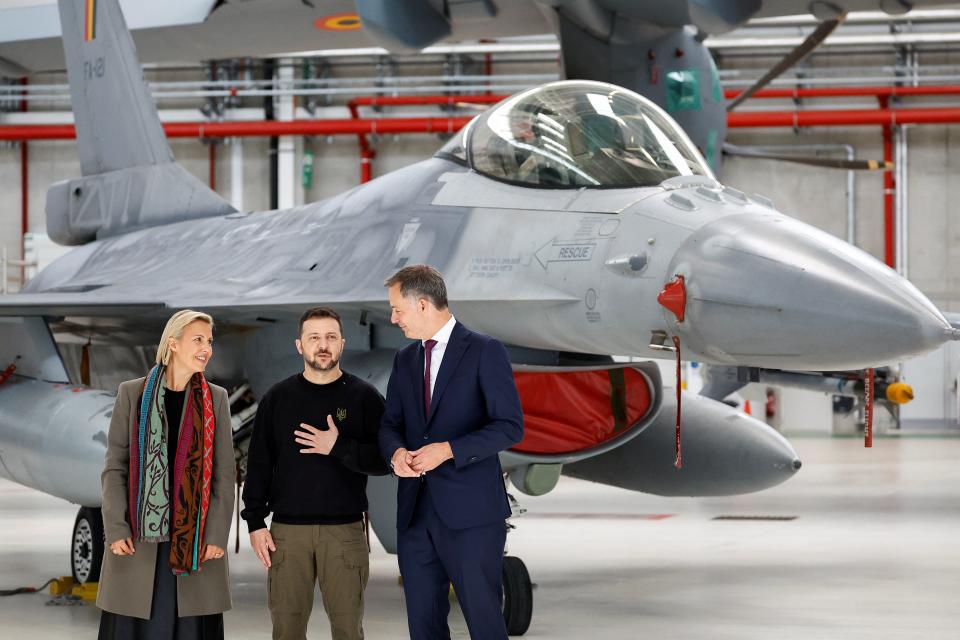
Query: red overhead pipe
367	154
842	117
212	153
383	101
889	189
366	166
815	118
846	92
259	128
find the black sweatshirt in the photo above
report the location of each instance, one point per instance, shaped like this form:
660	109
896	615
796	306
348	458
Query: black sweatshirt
309	488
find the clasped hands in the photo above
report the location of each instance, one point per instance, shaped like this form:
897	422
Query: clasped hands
124	547
410	464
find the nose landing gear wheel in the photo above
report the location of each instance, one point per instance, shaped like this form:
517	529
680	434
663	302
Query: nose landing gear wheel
517	596
86	546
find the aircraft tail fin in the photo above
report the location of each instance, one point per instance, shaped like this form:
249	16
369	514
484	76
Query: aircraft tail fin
130	180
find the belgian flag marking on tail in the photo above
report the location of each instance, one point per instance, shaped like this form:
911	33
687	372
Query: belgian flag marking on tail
90	20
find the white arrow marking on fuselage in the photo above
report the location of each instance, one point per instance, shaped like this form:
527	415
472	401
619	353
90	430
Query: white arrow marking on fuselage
555	251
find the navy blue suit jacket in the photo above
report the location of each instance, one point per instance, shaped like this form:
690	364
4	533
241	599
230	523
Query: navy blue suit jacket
475	407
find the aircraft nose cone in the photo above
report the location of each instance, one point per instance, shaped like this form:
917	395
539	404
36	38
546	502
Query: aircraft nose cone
770	291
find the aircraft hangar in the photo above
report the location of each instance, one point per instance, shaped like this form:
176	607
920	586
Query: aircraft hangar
717	238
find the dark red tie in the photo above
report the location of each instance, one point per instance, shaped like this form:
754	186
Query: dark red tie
427	351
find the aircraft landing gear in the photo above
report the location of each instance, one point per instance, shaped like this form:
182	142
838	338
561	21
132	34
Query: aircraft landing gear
517	588
517	596
86	546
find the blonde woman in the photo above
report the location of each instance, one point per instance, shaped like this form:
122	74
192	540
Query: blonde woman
167	490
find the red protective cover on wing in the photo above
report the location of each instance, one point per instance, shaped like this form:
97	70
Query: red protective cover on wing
569	411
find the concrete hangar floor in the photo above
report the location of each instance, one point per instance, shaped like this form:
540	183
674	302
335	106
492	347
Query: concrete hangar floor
859	544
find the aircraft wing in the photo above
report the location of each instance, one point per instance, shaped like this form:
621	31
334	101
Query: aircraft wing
94	304
90	304
68	304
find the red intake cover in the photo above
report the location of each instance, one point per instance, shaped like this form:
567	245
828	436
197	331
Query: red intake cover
569	411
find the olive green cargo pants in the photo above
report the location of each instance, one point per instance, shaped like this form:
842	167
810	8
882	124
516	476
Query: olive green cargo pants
335	555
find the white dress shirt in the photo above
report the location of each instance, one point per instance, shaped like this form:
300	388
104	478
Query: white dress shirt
436	356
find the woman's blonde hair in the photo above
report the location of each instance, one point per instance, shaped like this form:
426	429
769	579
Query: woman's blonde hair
177	323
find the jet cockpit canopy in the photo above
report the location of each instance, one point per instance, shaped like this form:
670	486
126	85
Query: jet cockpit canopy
573	134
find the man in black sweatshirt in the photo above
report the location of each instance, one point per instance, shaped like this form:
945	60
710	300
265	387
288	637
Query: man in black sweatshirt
314	443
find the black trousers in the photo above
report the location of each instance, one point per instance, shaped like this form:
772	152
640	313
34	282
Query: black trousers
163	623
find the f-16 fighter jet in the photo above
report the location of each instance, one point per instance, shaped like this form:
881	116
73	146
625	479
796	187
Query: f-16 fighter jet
573	221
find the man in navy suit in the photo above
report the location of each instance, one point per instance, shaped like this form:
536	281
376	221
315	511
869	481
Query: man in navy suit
452	406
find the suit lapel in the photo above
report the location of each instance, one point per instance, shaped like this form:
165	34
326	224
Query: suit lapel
451	358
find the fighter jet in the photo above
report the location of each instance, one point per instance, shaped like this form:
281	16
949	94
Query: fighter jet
574	221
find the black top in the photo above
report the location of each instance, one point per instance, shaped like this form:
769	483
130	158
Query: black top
173	406
311	488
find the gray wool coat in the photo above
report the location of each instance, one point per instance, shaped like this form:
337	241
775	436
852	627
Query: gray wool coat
126	582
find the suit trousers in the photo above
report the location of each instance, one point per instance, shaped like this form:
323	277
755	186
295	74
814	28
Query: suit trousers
333	555
433	556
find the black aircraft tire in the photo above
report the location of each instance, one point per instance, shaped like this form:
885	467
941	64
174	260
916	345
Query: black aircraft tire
517	596
86	546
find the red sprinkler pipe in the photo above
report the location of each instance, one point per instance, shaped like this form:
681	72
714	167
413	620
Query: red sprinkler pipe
267	128
849	92
212	153
889	190
817	118
842	117
366	165
367	154
384	101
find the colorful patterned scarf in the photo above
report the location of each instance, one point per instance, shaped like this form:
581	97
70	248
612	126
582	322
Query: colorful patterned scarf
149	501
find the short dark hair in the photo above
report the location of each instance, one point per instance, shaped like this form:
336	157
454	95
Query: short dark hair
320	312
422	281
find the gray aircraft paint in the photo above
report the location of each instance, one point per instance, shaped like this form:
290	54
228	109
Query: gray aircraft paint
324	253
558	272
53	437
709	443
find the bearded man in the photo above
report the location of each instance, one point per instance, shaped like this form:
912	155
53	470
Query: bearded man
314	443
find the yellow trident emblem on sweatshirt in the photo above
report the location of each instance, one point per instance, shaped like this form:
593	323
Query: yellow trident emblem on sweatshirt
341	415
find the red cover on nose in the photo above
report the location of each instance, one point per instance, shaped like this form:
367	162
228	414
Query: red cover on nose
674	298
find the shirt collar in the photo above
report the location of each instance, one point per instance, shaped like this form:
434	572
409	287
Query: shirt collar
443	335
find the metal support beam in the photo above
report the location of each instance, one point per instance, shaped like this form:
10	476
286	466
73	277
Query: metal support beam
236	173
287	147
